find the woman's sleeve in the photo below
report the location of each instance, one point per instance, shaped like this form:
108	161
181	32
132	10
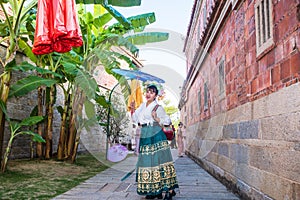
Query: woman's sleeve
163	117
136	114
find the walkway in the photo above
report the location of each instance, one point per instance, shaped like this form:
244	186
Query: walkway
194	182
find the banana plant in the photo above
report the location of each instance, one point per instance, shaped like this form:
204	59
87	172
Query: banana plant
97	50
15	131
16	13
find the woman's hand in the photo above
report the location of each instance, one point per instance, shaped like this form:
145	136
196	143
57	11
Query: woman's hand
154	115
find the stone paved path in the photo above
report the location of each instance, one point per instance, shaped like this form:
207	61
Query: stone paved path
194	183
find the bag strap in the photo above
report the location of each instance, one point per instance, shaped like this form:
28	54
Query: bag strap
155	107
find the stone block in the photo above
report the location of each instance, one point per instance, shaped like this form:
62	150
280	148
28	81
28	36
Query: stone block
276	187
283	127
286	100
223	149
283	163
248	130
226	164
239	153
241	113
230	131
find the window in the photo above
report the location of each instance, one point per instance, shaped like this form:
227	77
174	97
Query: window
199	101
234	3
204	14
191	111
205	96
221	77
263	25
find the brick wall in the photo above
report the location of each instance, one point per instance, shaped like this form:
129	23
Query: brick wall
248	137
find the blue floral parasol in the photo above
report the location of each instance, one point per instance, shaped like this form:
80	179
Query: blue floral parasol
136	74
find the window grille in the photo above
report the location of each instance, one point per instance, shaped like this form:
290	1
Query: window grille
199	101
221	78
205	96
263	25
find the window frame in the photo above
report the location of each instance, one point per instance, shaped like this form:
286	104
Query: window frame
264	26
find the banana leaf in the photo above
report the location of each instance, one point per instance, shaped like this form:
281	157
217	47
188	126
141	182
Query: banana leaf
102	20
29	84
148	37
101	100
87	83
138	22
89	108
3	108
25	66
35	137
118	16
31	121
24	47
121	3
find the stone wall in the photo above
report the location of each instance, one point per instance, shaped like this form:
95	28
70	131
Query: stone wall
21	107
247	135
254	148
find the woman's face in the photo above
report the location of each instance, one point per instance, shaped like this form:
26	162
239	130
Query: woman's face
150	95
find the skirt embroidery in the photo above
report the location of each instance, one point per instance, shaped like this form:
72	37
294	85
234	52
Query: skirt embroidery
155	166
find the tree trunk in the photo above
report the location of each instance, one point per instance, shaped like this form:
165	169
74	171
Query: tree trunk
2	127
72	135
73	158
4	96
6	154
39	145
48	150
63	132
77	110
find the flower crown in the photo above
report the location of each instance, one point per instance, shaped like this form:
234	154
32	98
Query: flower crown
159	87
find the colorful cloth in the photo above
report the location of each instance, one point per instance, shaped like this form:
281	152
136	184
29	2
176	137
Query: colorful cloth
155	167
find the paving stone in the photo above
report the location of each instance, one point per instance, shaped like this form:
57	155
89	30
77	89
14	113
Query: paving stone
194	184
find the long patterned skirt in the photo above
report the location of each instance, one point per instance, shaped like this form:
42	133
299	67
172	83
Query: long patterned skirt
155	167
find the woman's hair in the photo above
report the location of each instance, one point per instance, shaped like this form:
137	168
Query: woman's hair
153	88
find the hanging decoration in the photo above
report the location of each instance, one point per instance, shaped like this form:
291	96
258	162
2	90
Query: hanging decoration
57	27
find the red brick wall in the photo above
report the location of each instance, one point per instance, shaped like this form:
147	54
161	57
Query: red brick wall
247	76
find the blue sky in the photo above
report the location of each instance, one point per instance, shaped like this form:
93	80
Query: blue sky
165	59
170	14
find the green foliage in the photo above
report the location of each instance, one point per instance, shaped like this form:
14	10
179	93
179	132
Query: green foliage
149	37
30	121
25	48
29	84
118	119
14	132
27	67
138	23
120	3
3	109
86	83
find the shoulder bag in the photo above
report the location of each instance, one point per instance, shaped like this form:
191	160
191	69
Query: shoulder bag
167	129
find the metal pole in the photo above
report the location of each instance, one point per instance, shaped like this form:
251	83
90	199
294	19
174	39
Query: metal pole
108	119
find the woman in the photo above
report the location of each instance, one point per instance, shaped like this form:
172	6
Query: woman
180	140
155	167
